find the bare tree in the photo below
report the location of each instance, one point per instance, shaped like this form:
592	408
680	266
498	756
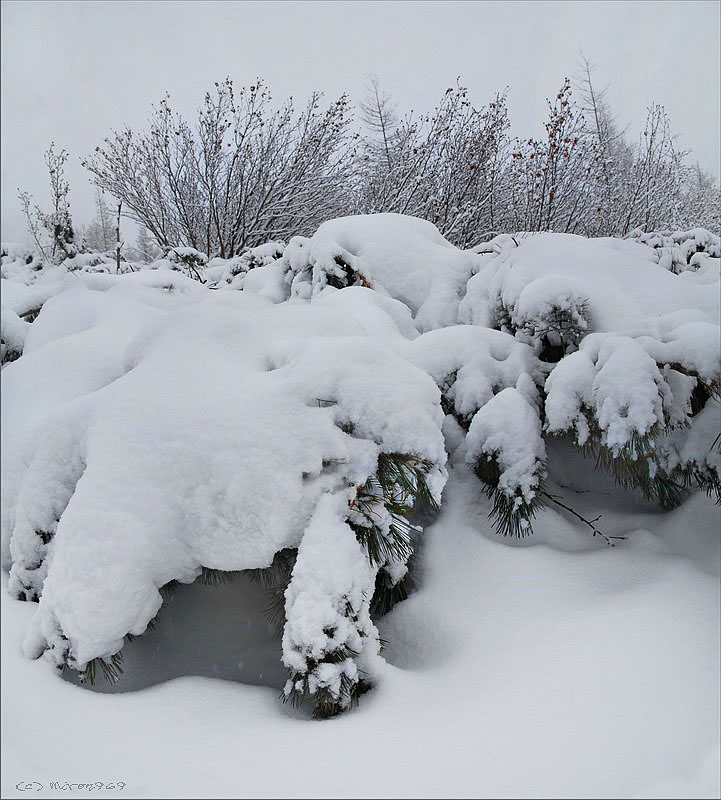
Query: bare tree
246	172
655	183
57	224
118	243
445	167
645	186
145	248
553	179
615	155
701	200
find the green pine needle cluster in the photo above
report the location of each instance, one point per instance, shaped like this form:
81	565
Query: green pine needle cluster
275	579
512	514
559	331
400	487
326	704
110	667
635	467
217	577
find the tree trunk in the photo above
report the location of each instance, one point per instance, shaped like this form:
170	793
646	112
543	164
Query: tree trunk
117	240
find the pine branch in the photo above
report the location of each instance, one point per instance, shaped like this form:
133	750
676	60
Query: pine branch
275	579
513	514
217	577
111	667
635	466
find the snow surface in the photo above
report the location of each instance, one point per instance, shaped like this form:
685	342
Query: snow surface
556	668
152	427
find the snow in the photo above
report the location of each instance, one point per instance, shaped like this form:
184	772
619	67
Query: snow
538	670
508	429
382	318
267	281
169	479
331	572
152	428
404	257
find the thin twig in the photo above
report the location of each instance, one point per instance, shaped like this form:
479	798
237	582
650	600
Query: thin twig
590	523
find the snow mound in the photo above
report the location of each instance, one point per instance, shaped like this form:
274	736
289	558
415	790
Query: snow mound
624	294
404	257
205	436
18	262
679	251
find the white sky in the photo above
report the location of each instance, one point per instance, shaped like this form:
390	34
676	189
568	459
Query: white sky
72	71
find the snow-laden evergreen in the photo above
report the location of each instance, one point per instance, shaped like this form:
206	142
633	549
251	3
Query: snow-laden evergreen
282	411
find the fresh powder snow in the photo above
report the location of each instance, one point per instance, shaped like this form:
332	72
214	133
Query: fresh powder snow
195	416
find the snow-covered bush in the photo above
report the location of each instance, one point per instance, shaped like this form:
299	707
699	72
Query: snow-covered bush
399	256
90	262
631	348
679	251
184	259
305	428
292	426
19	262
231	270
13	330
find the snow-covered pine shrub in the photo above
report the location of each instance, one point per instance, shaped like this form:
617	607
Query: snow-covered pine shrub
679	251
13	331
552	294
231	270
187	260
505	447
20	266
634	358
19	262
90	262
309	436
549	312
398	256
313	264
491	384
316	440
368	537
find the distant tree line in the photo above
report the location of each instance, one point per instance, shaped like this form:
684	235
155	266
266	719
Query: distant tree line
247	171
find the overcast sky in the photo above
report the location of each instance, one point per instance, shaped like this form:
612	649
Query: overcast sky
72	71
